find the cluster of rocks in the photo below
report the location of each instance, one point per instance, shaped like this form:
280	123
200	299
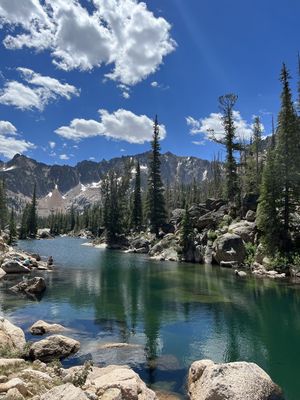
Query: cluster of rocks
15	262
219	238
31	373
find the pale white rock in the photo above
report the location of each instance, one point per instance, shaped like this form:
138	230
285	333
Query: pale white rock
14	383
234	381
65	392
11	336
122	378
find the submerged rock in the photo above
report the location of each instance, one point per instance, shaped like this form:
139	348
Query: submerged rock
41	327
234	381
52	348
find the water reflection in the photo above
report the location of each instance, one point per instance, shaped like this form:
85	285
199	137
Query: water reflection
173	313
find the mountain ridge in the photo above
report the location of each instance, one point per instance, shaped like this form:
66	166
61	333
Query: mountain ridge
80	184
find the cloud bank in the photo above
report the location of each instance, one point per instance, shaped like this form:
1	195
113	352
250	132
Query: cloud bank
119	125
120	33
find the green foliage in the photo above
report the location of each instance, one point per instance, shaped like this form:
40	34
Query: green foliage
155	198
226	221
3	205
250	253
81	375
212	235
12	228
227	103
186	237
137	210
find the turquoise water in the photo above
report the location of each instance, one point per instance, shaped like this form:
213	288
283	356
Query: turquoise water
171	313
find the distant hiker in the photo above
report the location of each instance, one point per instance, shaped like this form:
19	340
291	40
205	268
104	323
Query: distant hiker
50	261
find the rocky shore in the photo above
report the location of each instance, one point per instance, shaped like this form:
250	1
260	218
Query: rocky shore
219	237
32	371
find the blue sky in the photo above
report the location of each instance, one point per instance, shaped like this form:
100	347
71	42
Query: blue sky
63	63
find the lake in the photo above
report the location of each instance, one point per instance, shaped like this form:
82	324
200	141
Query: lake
170	313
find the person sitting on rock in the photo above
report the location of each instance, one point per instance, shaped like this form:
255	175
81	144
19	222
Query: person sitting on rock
50	261
27	262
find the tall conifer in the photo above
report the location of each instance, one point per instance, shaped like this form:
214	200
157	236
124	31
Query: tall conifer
155	198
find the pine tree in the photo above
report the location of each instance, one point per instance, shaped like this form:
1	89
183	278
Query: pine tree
12	227
186	239
32	216
155	197
267	215
287	158
23	232
226	104
257	130
137	211
3	205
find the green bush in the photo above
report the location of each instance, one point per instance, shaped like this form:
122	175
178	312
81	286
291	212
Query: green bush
250	253
212	235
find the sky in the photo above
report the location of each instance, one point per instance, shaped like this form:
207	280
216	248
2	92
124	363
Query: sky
83	79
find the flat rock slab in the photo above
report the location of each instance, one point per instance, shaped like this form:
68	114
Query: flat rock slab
65	392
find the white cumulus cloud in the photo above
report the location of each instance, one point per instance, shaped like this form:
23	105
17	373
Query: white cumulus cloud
41	91
212	126
122	33
119	125
64	157
9	143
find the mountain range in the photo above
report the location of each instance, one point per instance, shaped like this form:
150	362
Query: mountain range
60	186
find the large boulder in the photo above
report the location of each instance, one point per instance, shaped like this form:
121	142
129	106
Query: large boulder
246	230
11	266
229	247
52	348
177	216
41	327
234	381
65	392
250	216
210	220
122	379
44	233
166	249
36	285
140	244
12	338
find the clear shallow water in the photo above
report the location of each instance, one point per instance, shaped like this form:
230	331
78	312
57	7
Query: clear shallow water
172	313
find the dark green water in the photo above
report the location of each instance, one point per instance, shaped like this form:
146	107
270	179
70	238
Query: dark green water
174	313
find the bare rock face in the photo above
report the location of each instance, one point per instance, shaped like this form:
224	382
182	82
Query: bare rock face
65	392
12	338
119	382
245	229
41	327
234	381
36	285
229	247
53	347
